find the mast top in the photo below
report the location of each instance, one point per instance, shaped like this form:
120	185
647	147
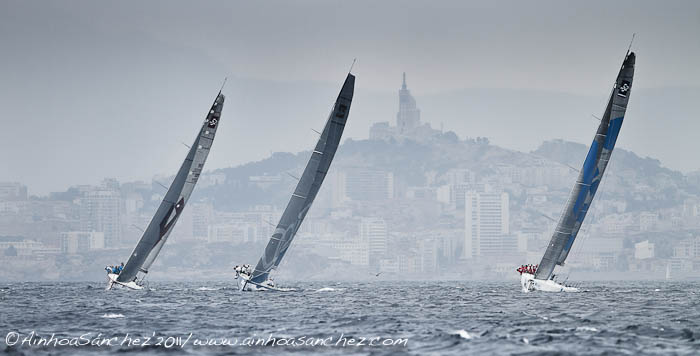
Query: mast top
352	65
630	46
222	85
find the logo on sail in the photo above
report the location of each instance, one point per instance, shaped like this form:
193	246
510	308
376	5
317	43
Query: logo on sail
213	120
623	89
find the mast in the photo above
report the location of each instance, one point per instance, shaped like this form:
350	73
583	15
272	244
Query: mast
308	186
178	194
591	174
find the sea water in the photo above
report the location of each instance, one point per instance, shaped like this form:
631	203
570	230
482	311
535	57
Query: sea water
438	317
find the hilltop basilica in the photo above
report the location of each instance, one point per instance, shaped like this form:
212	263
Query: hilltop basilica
408	124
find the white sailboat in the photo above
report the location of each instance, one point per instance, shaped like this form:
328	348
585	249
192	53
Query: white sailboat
162	223
543	278
258	278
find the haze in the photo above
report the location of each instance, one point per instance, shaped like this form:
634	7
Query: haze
110	89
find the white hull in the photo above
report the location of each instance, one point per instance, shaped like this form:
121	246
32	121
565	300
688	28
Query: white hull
245	285
529	284
112	282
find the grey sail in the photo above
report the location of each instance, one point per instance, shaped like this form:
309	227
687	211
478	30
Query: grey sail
591	174
173	203
308	186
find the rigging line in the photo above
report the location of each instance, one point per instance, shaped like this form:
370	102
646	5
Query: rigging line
186	145
160	184
575	169
134	225
293	176
545	215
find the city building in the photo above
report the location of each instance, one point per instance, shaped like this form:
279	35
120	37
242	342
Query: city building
374	232
12	246
367	185
12	191
643	250
648	221
353	250
687	248
486	216
101	211
428	255
73	242
233	233
202	215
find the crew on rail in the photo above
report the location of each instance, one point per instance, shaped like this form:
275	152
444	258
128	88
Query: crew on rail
531	269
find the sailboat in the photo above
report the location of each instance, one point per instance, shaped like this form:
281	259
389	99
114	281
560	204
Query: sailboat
250	279
156	234
585	188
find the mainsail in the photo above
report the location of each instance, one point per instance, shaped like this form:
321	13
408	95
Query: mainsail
308	185
175	199
591	174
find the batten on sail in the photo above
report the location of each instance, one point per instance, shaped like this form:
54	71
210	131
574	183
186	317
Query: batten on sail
175	200
591	174
308	185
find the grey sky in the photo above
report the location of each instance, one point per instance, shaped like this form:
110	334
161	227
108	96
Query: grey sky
93	89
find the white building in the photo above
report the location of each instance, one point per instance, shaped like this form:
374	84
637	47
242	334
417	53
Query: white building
73	242
486	228
201	216
233	233
374	231
101	210
365	185
643	250
428	255
353	250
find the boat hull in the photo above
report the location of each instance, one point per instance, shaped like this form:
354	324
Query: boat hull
245	285
529	284
113	282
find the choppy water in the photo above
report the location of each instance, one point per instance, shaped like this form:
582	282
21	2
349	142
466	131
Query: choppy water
436	318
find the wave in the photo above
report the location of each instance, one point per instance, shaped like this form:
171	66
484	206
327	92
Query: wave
207	288
463	334
329	289
113	316
586	328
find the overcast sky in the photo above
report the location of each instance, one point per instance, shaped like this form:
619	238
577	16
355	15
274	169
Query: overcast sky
92	89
